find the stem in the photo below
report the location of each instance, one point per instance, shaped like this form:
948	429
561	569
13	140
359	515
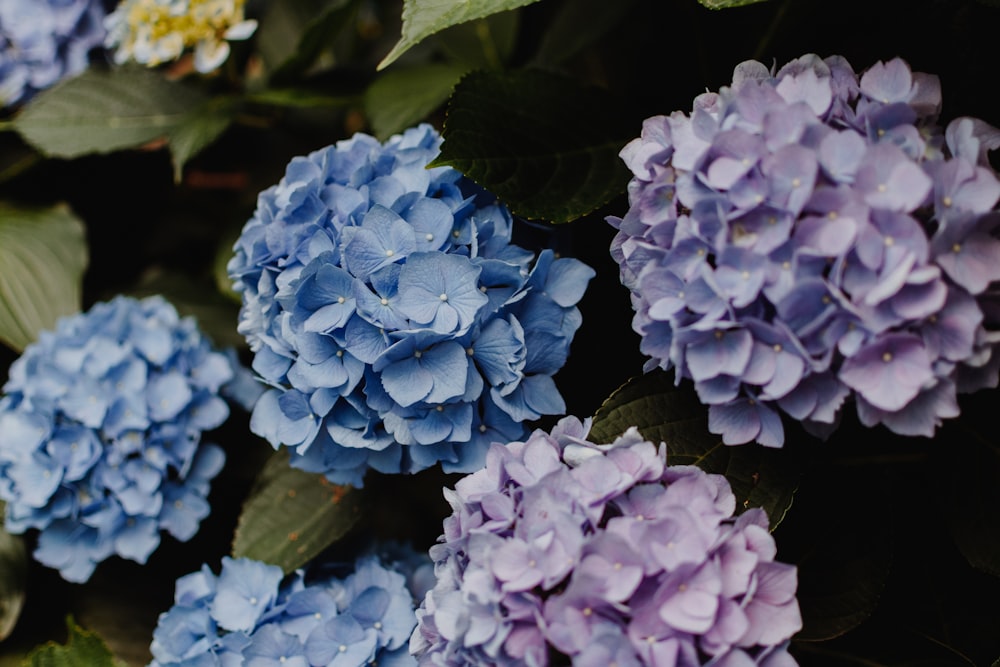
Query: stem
6	125
485	36
772	28
22	165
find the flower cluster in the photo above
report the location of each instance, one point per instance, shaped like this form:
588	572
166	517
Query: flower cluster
394	320
603	555
251	614
100	430
43	41
153	32
812	235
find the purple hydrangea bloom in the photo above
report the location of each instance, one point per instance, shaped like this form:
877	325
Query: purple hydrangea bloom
251	614
100	433
565	551
393	321
43	41
810	237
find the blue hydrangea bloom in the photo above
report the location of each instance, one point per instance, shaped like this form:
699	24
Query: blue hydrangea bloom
391	317
43	41
251	614
811	237
560	551
100	433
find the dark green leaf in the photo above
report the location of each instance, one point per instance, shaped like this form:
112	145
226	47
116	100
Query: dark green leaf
726	4
43	254
197	130
973	511
423	18
521	135
82	649
13	567
577	25
292	515
317	36
401	98
760	477
102	111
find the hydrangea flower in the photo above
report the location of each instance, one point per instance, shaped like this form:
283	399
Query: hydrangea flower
153	32
394	321
560	551
251	614
43	41
811	236
100	434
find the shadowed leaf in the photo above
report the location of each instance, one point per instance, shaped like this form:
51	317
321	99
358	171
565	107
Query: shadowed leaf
292	515
521	135
43	254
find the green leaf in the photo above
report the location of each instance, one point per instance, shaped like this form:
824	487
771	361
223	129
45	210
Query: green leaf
401	98
197	130
423	18
82	649
727	4
319	32
13	568
102	111
43	254
484	43
298	97
759	477
291	516
521	135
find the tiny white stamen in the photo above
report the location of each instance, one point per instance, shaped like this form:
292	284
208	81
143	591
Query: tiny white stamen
384	301
429	237
887	357
389	253
882	187
341	299
946	201
443	297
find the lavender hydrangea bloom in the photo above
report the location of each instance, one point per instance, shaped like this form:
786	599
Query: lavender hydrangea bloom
251	614
812	236
100	434
43	41
565	551
391	317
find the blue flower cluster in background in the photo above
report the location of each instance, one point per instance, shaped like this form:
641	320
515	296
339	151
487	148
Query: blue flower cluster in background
602	554
811	236
393	319
100	434
252	614
43	41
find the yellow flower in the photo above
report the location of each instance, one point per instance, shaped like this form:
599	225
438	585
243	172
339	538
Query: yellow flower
152	32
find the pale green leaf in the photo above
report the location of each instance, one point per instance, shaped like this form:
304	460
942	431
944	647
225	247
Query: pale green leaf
423	18
403	97
103	111
292	515
43	254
